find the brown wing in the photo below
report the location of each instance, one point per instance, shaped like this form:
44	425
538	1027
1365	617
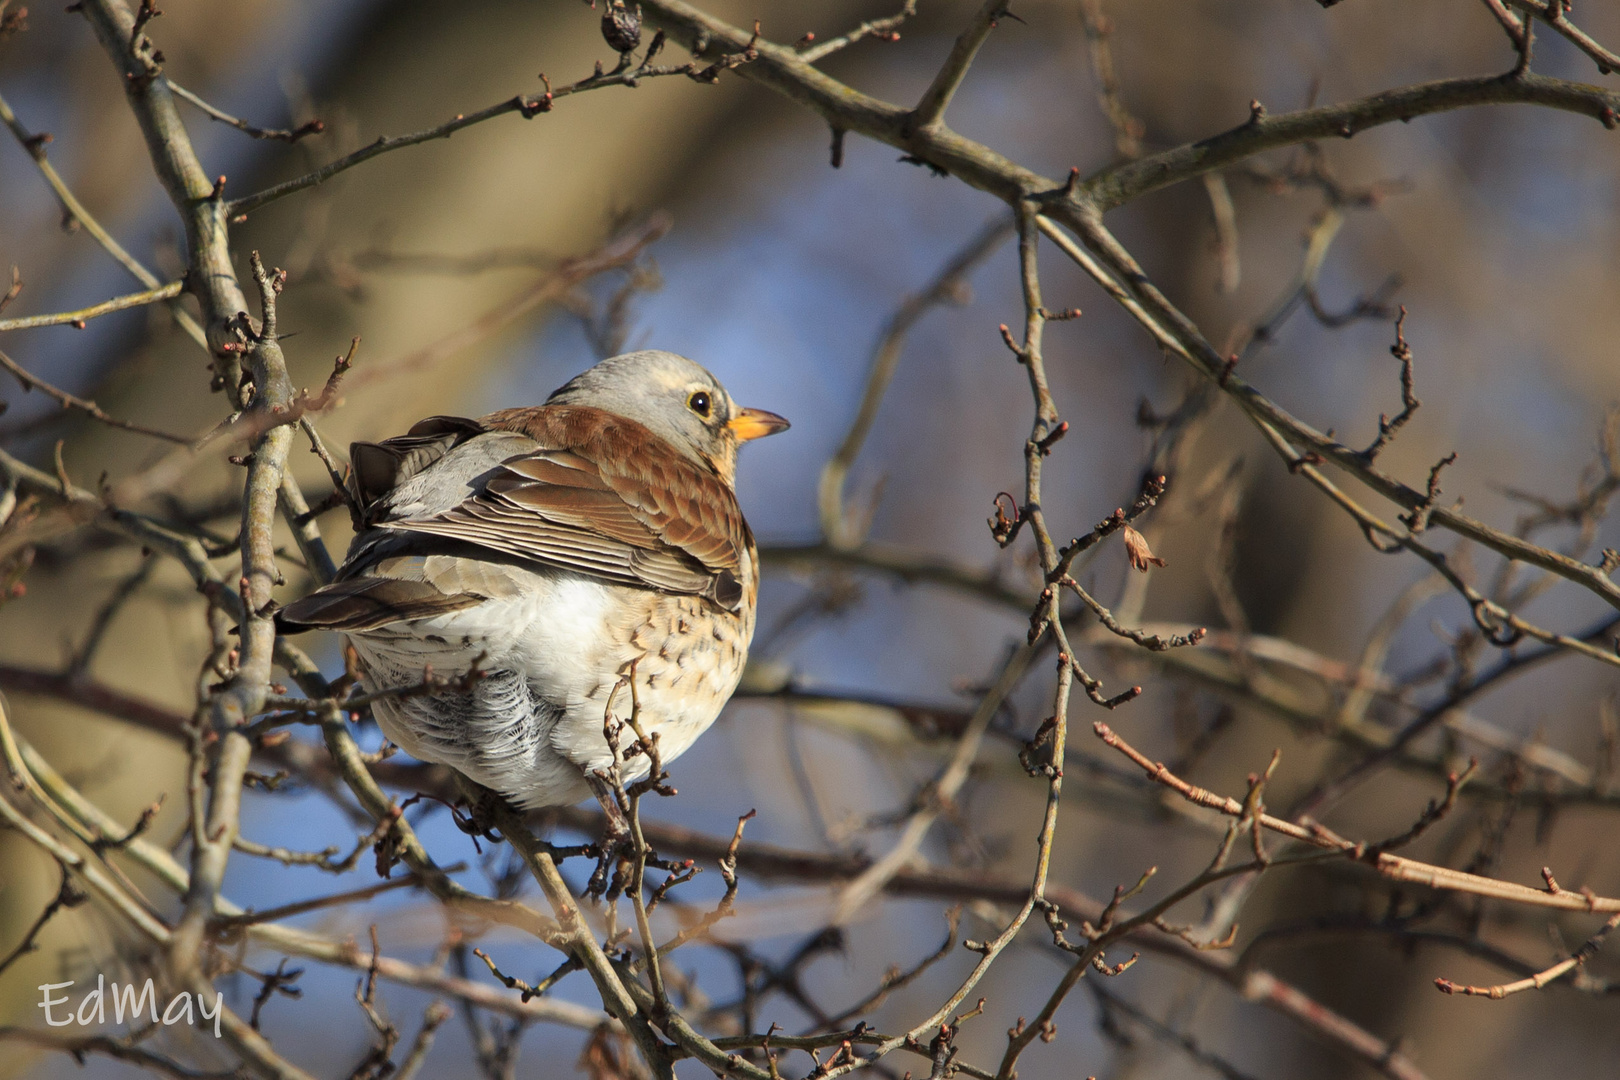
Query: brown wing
604	496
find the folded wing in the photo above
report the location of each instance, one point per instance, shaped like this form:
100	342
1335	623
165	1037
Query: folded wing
586	491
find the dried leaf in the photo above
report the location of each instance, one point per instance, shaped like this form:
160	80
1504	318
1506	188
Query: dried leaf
607	1056
1136	548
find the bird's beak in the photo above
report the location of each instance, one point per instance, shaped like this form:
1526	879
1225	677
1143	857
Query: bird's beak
756	424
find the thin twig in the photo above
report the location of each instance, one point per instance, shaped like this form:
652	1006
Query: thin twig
886	29
31	381
948	286
75	211
1540	978
78	318
1394	867
626	74
1552	12
313	127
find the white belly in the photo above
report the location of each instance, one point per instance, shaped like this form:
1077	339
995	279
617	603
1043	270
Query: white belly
553	650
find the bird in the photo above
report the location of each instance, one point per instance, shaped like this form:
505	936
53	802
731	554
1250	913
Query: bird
561	554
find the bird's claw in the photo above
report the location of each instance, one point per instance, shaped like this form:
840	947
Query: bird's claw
613	850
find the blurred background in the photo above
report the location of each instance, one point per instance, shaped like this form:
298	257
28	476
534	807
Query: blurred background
1495	227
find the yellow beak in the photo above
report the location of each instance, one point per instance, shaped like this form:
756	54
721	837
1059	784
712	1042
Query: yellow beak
756	424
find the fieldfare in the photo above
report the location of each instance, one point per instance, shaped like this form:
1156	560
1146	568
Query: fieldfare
557	549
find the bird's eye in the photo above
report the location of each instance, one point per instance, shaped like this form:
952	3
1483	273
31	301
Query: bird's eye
699	403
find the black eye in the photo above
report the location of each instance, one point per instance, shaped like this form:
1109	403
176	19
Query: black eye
699	403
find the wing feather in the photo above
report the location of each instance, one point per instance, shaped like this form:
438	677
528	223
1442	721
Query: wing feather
367	603
593	492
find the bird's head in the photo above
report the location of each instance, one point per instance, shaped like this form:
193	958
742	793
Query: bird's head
677	400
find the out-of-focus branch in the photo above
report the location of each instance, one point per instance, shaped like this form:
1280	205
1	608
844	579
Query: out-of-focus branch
306	531
84	507
622	250
939	794
947	287
124	1049
1223	214
627	73
906	564
1553	13
31	381
74	209
1128	130
1166	1033
937	98
106	307
479	262
1517	663
886	29
313	127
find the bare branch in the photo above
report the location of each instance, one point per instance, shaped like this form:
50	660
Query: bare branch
313	127
75	211
68	895
30	381
1392	866
948	286
1540	978
812	51
937	98
1553	13
1119	184
626	74
78	318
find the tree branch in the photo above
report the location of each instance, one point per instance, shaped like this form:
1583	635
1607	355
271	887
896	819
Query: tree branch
78	318
31	381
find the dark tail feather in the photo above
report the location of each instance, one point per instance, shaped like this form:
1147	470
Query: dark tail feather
368	603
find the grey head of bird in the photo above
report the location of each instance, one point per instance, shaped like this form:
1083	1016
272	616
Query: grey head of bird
677	400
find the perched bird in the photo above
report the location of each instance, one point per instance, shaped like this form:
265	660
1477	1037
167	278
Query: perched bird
556	549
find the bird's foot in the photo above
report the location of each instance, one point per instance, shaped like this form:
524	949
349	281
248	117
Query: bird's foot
476	812
614	850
